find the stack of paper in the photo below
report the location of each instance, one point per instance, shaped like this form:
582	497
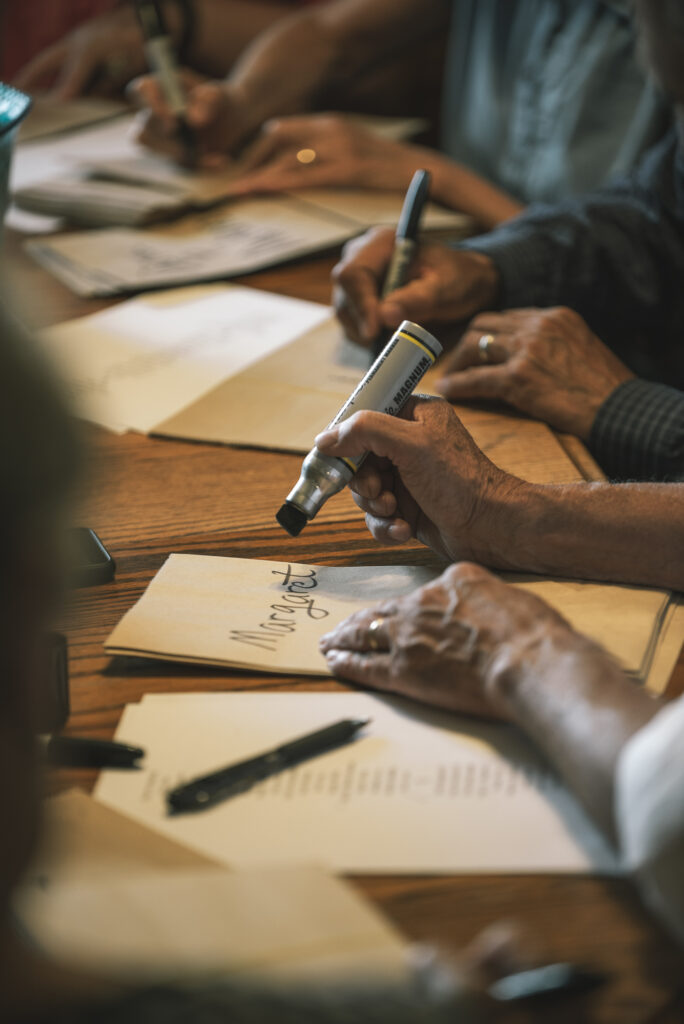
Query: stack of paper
124	899
269	616
418	791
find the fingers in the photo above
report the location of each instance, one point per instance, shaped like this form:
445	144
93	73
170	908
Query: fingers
420	300
487	382
385	436
358	649
357	282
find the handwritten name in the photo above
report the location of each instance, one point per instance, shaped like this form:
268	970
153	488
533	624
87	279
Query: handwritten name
286	613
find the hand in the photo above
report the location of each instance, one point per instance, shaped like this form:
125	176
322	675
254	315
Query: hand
101	55
426	478
343	153
545	362
448	643
213	113
445	285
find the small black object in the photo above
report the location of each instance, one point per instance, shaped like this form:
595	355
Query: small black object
291	518
83	752
242	776
89	561
52	706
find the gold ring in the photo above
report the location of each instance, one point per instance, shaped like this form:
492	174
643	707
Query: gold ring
306	156
373	638
483	347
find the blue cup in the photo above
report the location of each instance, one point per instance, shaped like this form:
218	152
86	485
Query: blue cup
14	106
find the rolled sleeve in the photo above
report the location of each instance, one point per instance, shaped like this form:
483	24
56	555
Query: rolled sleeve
649	811
638	433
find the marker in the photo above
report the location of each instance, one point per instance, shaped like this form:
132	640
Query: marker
161	59
82	752
409	353
405	240
240	777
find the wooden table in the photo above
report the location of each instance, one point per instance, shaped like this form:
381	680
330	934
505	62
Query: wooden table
149	497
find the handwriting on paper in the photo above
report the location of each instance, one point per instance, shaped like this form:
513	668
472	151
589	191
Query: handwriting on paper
294	604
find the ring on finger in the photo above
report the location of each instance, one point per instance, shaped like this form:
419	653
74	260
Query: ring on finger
483	347
374	634
306	156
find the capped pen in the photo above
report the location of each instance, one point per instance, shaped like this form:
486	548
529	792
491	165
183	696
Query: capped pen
162	61
243	775
405	241
84	752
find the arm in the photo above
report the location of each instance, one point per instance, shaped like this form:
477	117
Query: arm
430	481
616	257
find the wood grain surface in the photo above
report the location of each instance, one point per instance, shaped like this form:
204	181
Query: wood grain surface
148	497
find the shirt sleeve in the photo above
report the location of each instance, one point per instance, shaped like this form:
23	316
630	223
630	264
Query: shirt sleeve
649	810
615	256
638	433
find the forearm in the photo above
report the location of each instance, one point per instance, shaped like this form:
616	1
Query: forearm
627	238
624	533
224	29
577	706
340	40
455	186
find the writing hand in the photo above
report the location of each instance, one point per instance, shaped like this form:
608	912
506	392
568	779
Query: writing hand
212	112
445	285
450	643
101	55
547	363
426	478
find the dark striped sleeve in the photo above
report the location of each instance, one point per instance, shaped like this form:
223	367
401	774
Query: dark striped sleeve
638	433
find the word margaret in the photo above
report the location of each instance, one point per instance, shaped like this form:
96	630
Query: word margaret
285	613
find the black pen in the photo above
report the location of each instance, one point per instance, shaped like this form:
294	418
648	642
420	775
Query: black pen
83	752
545	982
405	241
240	777
162	61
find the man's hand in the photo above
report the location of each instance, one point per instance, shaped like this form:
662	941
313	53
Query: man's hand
545	362
445	285
101	55
451	642
212	112
426	478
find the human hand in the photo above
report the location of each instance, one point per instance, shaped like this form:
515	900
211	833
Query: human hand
101	55
449	643
445	285
545	362
324	149
425	477
212	112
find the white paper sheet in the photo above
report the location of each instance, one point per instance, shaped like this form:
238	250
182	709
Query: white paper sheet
135	364
418	792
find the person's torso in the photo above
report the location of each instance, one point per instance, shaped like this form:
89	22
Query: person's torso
546	98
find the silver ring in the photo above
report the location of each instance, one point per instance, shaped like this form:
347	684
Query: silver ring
483	347
373	630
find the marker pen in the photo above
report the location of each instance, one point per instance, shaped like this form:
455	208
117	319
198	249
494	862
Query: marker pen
409	353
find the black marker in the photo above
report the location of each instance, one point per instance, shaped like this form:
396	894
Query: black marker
405	241
545	982
240	777
162	61
82	752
